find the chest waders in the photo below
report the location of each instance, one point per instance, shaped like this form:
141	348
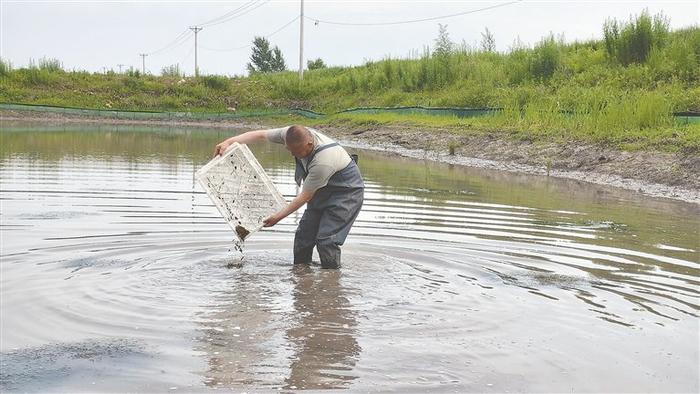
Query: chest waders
330	213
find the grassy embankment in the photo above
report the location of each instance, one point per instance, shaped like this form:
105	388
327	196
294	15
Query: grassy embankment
620	91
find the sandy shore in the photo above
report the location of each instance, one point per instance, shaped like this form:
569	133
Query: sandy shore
658	174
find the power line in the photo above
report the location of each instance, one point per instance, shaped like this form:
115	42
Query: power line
184	59
218	18
317	21
249	45
255	4
181	43
244	9
282	28
184	35
176	42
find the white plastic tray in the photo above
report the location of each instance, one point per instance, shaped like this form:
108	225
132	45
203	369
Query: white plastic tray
240	189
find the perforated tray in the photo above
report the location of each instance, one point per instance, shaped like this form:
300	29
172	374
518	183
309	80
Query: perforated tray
240	189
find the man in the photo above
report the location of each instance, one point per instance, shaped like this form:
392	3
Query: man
332	187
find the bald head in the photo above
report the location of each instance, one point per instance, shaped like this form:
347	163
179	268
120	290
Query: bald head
299	141
298	135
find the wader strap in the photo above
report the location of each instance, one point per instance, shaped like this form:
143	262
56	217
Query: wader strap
300	173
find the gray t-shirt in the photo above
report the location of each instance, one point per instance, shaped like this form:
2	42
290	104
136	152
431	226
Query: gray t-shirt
325	163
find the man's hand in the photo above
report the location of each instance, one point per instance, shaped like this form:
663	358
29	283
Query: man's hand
221	147
245	138
295	204
271	221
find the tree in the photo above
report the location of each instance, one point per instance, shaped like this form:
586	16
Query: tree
443	44
278	63
488	43
315	64
265	60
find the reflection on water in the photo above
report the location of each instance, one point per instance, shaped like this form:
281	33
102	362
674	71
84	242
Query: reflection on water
252	336
323	332
454	279
235	325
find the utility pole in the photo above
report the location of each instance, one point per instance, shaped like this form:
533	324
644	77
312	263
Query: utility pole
301	42
196	30
143	62
120	67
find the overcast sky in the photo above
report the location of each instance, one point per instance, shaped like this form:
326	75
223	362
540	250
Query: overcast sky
91	35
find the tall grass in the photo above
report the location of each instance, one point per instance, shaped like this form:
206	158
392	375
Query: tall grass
545	59
632	42
172	70
5	67
626	84
50	64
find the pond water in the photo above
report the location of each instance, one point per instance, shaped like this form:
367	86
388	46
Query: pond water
118	274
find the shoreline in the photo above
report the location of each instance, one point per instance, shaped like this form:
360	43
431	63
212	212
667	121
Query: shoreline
656	174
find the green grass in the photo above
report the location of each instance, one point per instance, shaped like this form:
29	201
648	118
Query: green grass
533	127
621	90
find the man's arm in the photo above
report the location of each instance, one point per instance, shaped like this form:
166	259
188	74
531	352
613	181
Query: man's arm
295	204
245	138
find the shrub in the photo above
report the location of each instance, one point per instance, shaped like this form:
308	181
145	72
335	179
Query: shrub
133	72
315	64
36	76
632	42
544	59
215	82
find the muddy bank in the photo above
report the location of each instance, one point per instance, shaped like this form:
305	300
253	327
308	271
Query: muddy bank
659	174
